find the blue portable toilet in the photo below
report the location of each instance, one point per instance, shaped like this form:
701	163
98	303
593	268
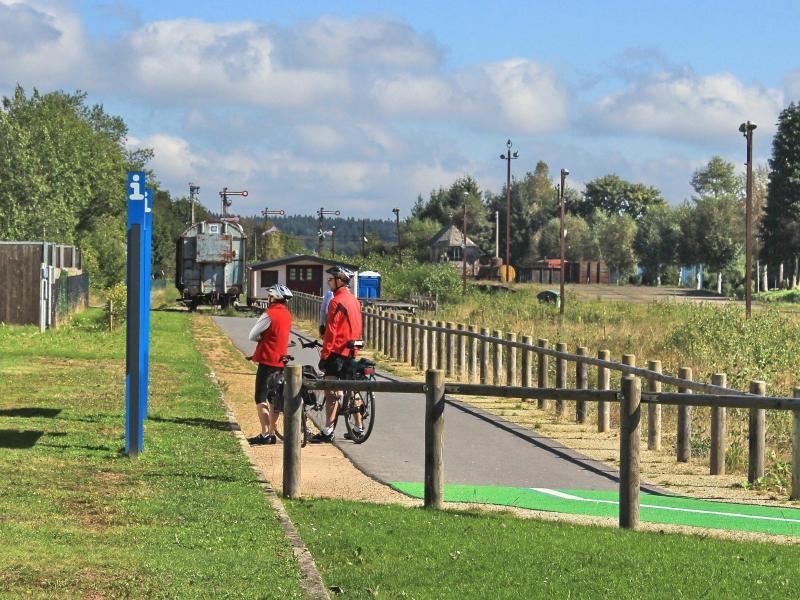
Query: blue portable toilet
369	284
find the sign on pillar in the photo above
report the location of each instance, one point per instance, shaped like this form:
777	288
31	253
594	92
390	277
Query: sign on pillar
138	309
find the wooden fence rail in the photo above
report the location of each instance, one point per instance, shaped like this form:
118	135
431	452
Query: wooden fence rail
475	356
435	390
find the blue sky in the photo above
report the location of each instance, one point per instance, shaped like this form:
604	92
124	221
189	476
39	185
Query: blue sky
362	106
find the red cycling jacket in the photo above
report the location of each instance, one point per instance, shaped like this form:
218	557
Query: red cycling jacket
274	342
344	323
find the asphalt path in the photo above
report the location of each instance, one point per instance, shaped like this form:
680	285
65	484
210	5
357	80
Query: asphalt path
479	448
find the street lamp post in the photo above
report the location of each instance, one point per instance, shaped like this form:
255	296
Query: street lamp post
508	157
564	173
747	130
321	213
464	247
396	212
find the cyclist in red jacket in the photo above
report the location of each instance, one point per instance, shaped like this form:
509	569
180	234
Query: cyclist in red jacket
271	331
343	326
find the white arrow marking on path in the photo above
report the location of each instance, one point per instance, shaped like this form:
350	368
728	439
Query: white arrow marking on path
558	494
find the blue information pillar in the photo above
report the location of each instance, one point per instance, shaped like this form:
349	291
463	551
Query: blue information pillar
138	322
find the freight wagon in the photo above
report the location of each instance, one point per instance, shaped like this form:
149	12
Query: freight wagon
210	263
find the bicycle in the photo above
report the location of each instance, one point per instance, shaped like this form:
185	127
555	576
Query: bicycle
354	406
275	384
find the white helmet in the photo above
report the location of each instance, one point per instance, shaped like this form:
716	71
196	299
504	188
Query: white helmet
279	292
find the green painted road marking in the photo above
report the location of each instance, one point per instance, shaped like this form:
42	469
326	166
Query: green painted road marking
675	510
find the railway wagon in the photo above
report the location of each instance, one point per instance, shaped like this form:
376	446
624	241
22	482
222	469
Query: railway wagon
210	263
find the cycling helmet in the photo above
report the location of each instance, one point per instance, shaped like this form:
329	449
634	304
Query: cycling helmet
341	273
279	292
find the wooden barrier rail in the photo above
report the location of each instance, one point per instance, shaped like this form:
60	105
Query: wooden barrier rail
435	390
470	355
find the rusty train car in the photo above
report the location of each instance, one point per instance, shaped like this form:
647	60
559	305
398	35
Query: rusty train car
210	264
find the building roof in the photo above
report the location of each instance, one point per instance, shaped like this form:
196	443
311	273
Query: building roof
301	258
450	236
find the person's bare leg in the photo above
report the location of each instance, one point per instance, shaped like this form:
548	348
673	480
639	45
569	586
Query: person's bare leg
262	408
273	419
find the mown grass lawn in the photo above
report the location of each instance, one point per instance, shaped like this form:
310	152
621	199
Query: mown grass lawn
187	519
79	519
394	552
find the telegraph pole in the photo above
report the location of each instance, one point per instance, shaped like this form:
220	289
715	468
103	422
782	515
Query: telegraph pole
508	157
396	212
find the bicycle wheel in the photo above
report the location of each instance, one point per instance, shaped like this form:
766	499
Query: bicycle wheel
359	406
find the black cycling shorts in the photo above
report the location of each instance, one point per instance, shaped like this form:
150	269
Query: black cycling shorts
334	366
265	386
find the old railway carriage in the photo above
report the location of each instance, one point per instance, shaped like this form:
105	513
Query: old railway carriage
210	263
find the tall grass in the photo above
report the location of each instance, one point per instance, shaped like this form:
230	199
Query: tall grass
709	338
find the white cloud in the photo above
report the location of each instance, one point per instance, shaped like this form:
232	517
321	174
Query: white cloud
686	106
380	42
42	45
519	94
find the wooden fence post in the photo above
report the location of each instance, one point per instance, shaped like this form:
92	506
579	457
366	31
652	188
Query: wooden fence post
292	431
441	347
461	368
484	375
395	339
630	432
561	377
473	355
654	410
757	435
796	450
381	332
407	335
434	438
684	441
414	334
424	343
716	461
603	383
527	371
451	343
110	315
432	346
511	361
581	383
543	371
498	359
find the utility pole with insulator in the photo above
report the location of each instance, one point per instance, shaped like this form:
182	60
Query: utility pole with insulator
508	157
321	234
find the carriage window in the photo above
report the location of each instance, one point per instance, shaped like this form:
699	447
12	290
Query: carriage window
309	274
292	274
213	228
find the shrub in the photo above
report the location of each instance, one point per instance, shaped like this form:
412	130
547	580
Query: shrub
118	296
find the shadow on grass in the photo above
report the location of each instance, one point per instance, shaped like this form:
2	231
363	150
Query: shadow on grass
14	438
195	422
30	412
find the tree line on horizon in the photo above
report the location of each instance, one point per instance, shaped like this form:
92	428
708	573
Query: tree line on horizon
63	166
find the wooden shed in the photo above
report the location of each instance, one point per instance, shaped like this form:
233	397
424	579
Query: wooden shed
300	273
41	283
